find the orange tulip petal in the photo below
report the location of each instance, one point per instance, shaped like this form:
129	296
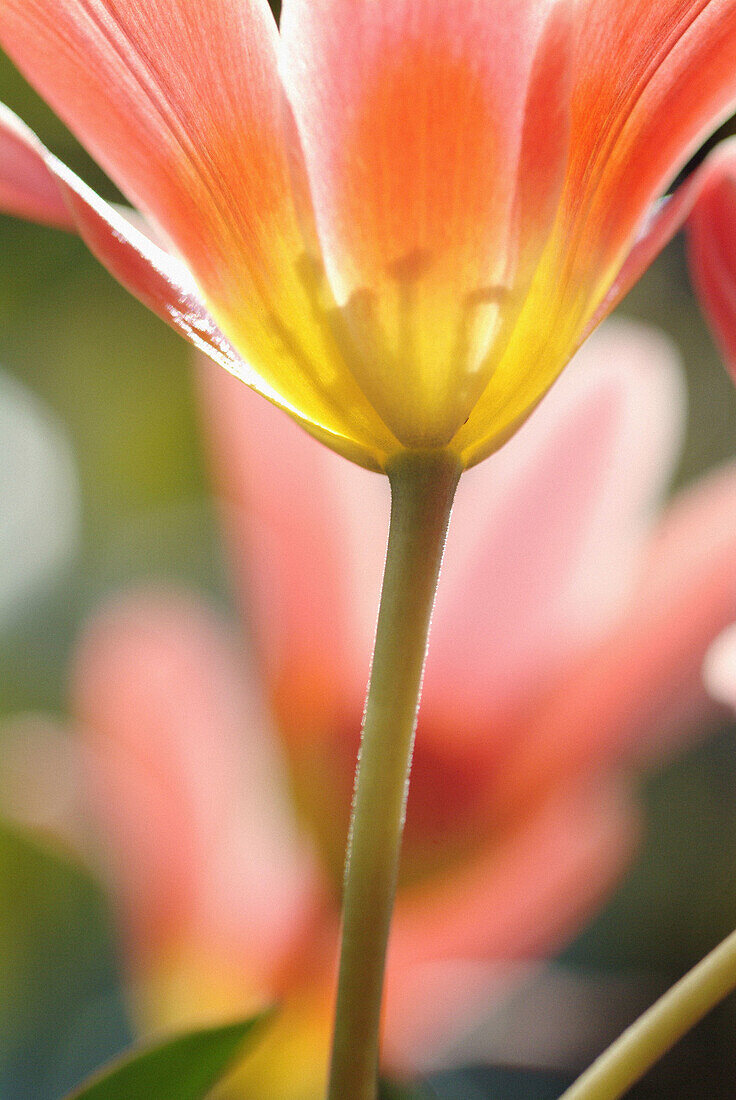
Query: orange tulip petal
412	120
696	203
174	125
182	104
35	184
652	79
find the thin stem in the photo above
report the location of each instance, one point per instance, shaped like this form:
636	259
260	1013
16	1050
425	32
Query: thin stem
422	491
647	1040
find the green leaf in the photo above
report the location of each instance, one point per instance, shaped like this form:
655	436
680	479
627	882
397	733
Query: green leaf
186	1067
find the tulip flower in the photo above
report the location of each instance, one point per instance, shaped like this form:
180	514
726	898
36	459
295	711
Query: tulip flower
585	652
403	216
397	221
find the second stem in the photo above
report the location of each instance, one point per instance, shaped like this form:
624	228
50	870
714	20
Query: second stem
423	487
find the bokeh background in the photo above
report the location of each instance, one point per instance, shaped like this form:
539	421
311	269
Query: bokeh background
102	395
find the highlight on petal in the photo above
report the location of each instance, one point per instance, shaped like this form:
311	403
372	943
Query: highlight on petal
205	851
28	188
719	668
34	183
182	105
427	180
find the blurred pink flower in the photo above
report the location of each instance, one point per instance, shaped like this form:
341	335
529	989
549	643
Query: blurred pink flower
570	630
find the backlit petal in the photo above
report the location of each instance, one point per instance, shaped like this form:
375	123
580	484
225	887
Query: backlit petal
412	120
182	104
698	202
652	79
33	183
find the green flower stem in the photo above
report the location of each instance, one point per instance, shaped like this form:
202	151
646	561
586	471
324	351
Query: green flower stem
422	491
647	1040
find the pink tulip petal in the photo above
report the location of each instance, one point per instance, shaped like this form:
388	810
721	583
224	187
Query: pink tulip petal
185	790
520	899
182	105
412	120
307	532
639	692
546	536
